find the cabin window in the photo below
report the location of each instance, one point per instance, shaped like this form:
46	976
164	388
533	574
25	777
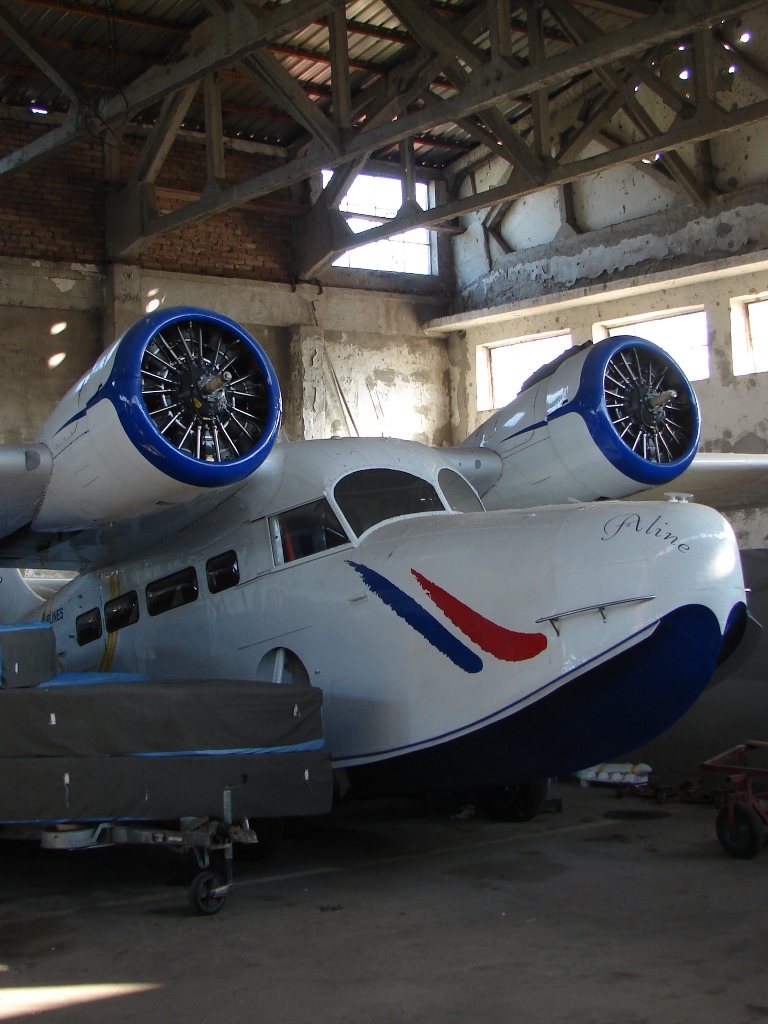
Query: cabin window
88	626
121	611
370	496
172	591
458	493
749	337
223	572
305	531
372	200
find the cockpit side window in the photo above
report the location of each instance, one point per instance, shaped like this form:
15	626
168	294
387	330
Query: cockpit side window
372	495
458	493
305	531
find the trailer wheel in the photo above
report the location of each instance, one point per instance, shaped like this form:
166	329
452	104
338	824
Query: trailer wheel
200	893
746	838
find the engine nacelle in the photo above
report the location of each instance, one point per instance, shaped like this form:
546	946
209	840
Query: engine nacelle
606	421
184	402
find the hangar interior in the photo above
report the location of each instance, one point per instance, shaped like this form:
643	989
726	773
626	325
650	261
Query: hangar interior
412	205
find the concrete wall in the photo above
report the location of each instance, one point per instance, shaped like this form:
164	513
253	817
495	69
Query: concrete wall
34	297
348	361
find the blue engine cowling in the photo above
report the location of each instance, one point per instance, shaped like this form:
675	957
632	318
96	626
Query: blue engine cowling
602	421
185	401
143	420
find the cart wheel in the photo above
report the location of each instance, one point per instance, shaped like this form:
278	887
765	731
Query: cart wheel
200	893
746	838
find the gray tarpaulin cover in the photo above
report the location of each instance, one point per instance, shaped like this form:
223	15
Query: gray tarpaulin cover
161	750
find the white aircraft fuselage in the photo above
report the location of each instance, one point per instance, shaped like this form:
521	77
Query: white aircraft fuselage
455	649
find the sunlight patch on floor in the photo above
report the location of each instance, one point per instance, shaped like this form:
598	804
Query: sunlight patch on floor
17	1002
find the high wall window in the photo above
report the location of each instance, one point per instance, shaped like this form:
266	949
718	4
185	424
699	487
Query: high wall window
683	335
749	333
502	369
375	199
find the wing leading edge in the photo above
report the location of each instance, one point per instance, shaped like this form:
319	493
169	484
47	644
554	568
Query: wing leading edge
722	480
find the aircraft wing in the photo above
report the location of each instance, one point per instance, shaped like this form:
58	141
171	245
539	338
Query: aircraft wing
24	473
724	481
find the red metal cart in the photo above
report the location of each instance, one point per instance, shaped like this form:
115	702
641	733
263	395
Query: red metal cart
742	820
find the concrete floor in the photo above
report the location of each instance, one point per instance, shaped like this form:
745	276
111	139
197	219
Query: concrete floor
380	914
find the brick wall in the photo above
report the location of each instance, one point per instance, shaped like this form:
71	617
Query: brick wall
55	211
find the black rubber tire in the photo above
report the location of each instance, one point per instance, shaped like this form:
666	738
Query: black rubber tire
269	832
519	802
200	893
746	839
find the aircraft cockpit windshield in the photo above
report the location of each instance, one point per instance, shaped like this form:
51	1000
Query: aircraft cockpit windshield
458	493
371	496
306	530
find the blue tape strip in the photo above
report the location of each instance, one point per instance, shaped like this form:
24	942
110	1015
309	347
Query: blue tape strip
91	679
296	748
19	626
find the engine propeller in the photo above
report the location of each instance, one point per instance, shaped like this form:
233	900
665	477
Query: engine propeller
204	390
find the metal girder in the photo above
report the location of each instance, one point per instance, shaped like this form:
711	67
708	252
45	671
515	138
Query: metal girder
499	34
586	30
29	46
443	38
583	29
673	162
486	87
214	129
403	85
53	142
236	33
656	173
607	109
435	32
339	52
164	131
679	134
542	136
268	73
494	84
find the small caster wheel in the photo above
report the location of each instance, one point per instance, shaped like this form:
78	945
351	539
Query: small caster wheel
746	838
200	891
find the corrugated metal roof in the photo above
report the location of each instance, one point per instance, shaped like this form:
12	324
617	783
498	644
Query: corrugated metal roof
105	44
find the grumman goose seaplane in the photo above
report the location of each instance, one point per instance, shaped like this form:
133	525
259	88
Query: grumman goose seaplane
476	617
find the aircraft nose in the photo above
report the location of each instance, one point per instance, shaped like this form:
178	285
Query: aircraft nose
631	564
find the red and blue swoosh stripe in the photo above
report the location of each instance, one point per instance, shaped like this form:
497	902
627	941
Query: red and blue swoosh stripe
504	644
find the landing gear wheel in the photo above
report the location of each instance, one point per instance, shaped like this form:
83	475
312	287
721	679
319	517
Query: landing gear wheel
519	802
746	838
200	892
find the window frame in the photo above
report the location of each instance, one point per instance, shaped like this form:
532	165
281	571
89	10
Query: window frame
410	515
151	599
432	235
273	539
484	364
463	479
743	357
113	601
229	586
79	619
